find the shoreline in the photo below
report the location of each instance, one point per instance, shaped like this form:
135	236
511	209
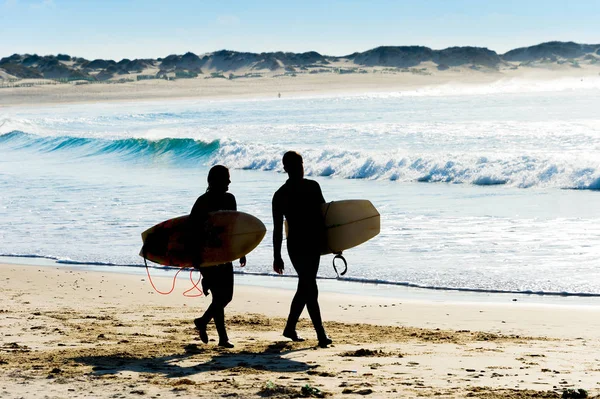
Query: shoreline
469	311
69	332
331	285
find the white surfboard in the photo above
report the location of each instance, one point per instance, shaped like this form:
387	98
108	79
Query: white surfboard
348	223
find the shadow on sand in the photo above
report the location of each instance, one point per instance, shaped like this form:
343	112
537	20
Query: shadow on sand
183	365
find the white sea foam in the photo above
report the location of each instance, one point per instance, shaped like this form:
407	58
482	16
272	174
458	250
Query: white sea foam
524	171
500	86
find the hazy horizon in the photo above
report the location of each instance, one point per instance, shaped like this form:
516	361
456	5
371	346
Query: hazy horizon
149	29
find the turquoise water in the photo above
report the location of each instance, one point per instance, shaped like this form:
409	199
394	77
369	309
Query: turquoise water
485	192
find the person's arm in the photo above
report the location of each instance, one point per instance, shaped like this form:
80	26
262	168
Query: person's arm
277	236
199	213
320	200
231	203
197	219
319	193
233	206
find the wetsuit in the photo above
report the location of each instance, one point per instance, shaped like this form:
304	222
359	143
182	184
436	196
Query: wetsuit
300	200
218	280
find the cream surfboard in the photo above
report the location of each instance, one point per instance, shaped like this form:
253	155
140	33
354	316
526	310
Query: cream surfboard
348	223
227	236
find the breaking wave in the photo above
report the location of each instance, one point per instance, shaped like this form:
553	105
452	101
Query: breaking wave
128	149
524	171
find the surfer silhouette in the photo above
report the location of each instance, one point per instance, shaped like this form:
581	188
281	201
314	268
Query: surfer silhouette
299	200
216	280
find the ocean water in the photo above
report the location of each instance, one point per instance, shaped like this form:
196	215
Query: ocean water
485	189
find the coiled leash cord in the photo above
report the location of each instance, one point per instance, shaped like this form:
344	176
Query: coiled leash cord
185	293
338	255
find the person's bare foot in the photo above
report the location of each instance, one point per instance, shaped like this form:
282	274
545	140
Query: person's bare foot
324	342
293	335
201	327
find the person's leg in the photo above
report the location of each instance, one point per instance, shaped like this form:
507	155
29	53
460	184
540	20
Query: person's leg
309	280
299	301
221	298
307	294
202	322
208	279
296	308
219	281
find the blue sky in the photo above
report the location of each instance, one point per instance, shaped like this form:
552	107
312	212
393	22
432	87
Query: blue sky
119	29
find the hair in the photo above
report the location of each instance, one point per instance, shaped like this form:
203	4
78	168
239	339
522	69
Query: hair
291	158
216	174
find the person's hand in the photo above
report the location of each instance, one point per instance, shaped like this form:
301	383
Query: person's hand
278	266
197	261
242	261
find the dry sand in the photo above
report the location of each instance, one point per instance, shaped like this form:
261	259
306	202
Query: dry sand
69	333
270	86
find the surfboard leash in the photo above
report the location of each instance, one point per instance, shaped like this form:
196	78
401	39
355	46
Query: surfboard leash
185	293
194	285
340	256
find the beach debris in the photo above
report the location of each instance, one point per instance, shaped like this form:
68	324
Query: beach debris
272	389
53	372
574	393
366	353
311	392
281	391
183	381
320	373
364	391
14	347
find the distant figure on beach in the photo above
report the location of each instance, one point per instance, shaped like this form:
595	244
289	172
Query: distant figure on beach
279	95
216	280
299	200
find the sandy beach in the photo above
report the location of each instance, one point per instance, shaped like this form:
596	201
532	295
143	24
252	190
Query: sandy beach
301	85
70	333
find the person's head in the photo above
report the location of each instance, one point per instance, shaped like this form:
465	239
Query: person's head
293	165
218	178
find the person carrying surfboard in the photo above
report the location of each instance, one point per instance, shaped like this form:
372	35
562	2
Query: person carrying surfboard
299	200
216	280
